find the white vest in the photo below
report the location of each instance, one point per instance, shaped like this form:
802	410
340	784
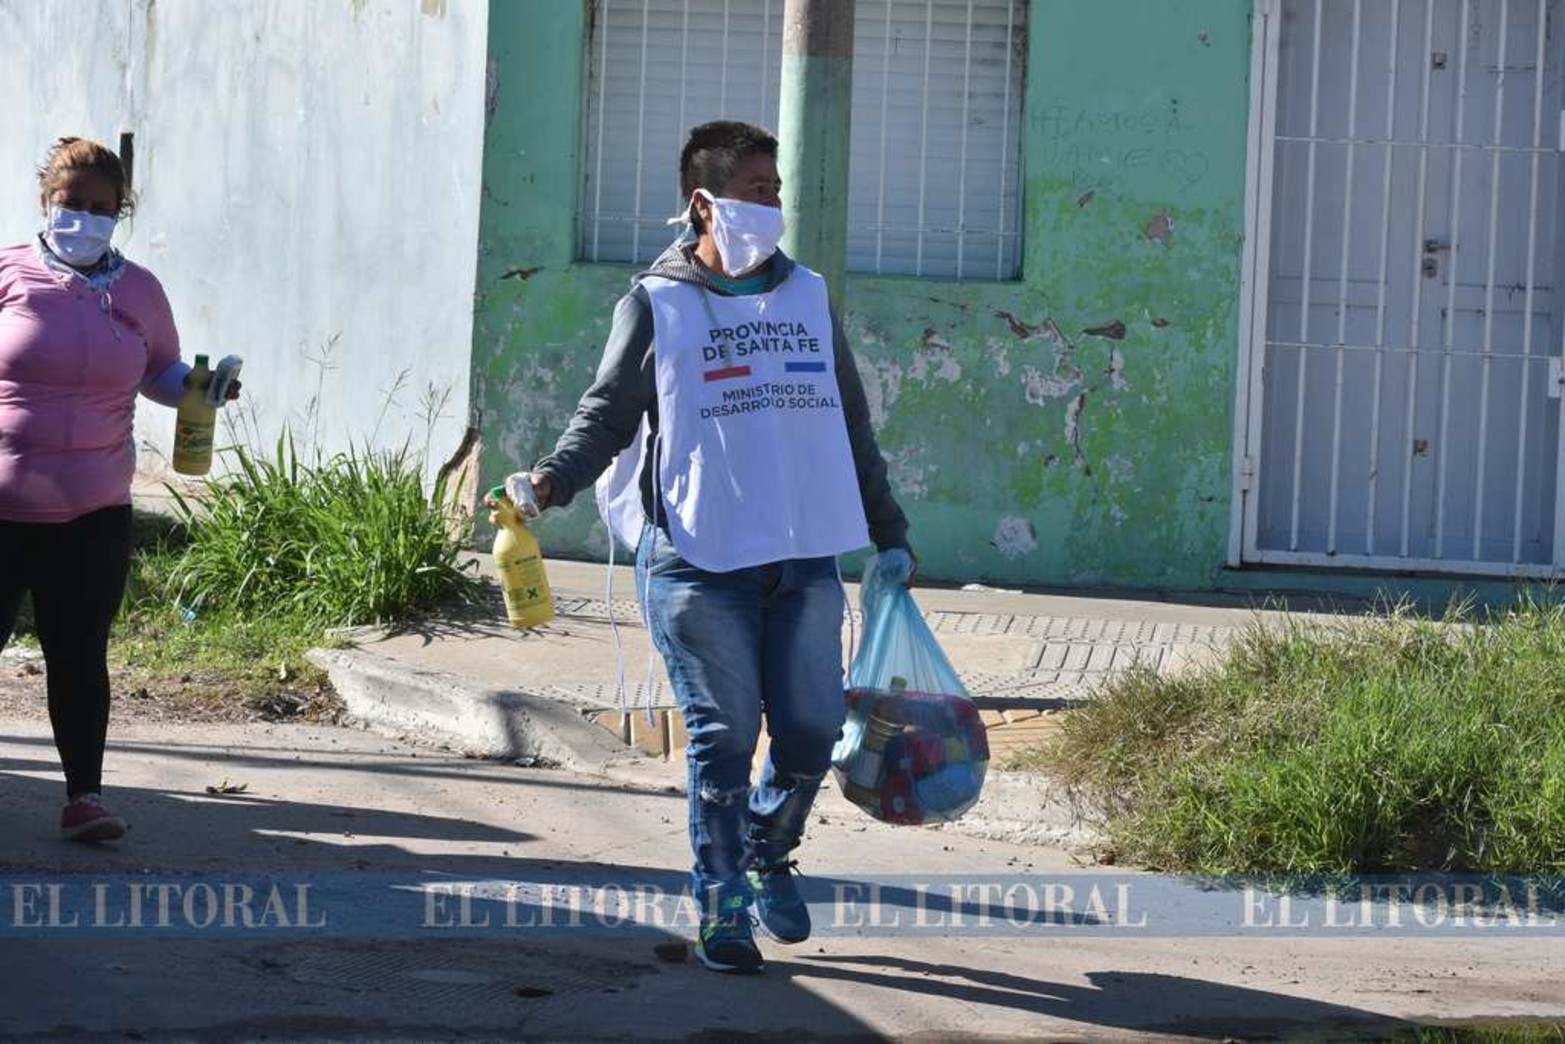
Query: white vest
755	461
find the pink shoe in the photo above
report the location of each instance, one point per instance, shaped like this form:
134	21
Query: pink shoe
86	820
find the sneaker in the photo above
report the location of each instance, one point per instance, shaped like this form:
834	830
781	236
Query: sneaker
779	907
727	943
85	819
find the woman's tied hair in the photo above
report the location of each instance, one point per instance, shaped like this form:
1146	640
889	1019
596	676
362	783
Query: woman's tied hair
712	153
72	154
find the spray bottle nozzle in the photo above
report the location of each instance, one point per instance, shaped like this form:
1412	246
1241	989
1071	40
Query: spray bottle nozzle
499	504
519	487
223	378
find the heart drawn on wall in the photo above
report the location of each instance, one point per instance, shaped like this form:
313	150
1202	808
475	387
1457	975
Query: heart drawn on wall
1185	168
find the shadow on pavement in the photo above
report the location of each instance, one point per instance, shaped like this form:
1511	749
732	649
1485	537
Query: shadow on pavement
430	766
247	833
1115	1000
435	984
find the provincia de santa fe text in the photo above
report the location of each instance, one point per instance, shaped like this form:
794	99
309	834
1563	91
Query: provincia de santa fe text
730	363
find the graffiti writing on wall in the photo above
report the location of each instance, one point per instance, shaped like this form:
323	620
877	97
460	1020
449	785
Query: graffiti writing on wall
1105	149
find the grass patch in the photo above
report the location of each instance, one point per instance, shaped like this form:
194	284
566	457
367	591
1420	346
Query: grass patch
224	599
350	541
1377	745
220	664
1499	1033
207	661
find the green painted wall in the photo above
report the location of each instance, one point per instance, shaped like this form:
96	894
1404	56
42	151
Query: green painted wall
1025	448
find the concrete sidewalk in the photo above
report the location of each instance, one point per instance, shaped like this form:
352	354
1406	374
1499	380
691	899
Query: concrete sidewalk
475	685
1024	657
412	886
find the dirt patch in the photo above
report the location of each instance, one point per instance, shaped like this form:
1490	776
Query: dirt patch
193	698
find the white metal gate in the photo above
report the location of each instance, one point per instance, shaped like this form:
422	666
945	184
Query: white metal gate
1399	386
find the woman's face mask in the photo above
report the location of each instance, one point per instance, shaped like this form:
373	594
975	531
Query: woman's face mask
76	236
746	234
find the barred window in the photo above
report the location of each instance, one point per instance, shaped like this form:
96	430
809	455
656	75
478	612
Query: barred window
935	168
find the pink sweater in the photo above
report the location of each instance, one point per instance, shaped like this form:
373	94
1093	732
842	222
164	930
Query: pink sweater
72	360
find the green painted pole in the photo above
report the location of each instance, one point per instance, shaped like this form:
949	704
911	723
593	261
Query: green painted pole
813	134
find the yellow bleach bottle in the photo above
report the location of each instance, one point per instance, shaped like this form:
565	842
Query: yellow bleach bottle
519	562
195	424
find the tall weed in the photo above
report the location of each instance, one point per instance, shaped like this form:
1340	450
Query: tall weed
351	539
1375	745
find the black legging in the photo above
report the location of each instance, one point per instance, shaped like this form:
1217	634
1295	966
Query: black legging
76	573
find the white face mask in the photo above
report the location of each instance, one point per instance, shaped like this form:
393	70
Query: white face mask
79	238
746	234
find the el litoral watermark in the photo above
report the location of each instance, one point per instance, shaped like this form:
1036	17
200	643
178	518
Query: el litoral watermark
424	905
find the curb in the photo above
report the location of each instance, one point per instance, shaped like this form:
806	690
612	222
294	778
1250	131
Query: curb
1026	808
439	709
434	708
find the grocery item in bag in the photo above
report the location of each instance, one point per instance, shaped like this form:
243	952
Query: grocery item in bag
913	748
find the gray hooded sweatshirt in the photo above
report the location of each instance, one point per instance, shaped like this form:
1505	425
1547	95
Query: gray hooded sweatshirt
609	414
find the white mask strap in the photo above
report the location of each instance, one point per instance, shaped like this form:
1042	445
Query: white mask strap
684	216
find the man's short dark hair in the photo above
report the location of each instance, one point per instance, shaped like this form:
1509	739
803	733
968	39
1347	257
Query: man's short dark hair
714	151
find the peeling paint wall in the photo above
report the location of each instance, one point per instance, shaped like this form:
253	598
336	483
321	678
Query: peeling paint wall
308	178
1071	428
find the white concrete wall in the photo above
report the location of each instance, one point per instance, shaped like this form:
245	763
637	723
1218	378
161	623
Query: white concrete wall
309	176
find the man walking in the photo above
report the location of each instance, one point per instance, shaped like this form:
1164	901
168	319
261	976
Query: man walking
746	463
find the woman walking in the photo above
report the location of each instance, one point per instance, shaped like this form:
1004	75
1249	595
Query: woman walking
82	332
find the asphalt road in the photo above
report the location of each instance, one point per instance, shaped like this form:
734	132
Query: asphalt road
397	893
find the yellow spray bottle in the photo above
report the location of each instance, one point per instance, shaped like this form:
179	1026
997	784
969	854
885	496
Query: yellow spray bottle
195	423
519	562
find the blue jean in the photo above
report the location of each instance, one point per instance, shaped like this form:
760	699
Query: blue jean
737	645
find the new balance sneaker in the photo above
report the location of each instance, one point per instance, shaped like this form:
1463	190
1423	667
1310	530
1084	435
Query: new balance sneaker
727	942
779	907
85	819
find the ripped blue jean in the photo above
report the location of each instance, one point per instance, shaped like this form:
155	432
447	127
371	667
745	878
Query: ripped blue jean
766	640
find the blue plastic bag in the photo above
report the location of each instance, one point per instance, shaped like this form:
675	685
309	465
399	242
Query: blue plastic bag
913	748
897	642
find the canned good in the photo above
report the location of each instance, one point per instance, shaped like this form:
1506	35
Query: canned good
911	757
